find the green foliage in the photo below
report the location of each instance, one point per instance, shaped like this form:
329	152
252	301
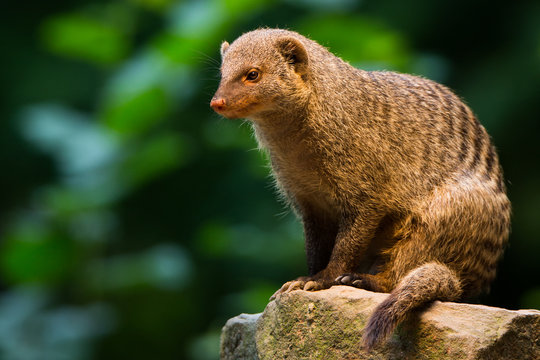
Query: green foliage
136	221
78	36
37	256
165	266
152	158
375	45
136	113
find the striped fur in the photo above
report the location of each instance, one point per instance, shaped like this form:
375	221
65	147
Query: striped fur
397	184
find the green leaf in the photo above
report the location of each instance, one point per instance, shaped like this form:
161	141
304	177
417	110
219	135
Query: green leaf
153	158
368	42
137	113
165	266
34	255
180	49
155	5
238	7
80	37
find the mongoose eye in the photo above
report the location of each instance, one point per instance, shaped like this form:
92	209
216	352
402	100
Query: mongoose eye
252	75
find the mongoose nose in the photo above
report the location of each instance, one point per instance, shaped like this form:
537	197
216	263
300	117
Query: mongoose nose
218	104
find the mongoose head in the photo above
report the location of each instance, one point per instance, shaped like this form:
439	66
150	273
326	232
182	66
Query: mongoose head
263	72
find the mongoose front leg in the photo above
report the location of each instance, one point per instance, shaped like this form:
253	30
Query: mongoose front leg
320	231
351	242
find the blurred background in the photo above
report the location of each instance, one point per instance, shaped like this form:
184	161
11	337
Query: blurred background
134	221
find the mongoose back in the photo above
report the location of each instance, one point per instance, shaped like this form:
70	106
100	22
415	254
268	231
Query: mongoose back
397	184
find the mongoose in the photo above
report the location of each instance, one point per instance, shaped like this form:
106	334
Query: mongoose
397	184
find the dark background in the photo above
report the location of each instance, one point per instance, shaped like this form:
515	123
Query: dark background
134	221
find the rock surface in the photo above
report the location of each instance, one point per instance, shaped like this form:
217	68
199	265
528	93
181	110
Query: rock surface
328	325
238	337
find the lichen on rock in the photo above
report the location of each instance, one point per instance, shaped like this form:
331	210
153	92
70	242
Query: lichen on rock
328	324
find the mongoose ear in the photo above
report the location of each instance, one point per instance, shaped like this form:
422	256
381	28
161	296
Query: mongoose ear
224	47
294	53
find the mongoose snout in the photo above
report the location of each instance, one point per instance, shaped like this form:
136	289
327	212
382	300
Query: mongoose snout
218	104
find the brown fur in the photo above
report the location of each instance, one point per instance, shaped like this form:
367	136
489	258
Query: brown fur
397	184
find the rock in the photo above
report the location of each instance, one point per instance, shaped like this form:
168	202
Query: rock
238	337
328	325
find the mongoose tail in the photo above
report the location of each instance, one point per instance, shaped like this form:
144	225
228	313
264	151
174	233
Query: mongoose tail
426	283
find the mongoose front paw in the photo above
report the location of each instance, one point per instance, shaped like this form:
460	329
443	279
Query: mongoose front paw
289	286
304	283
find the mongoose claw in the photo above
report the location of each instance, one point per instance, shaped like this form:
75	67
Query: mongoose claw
295	285
289	286
313	285
343	279
350	280
303	283
280	290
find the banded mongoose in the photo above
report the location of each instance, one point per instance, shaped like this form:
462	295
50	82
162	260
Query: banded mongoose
397	184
